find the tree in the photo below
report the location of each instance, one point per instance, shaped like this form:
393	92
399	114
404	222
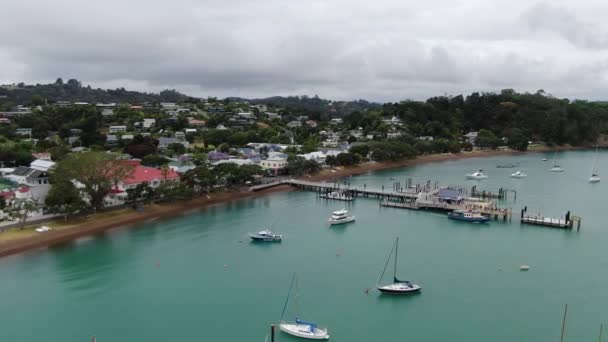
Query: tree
97	172
141	192
154	160
200	179
518	140
22	208
298	166
64	199
347	159
362	150
176	148
487	139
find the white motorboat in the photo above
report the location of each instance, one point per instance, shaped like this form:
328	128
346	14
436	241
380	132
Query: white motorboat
398	286
518	174
524	267
340	217
476	175
304	330
544	159
300	328
336	195
594	176
266	235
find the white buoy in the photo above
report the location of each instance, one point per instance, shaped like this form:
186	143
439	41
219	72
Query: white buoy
524	267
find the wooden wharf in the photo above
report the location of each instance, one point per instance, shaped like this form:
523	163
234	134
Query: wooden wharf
568	222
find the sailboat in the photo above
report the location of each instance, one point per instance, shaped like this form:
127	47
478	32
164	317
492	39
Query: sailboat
300	328
594	177
398	286
561	339
556	167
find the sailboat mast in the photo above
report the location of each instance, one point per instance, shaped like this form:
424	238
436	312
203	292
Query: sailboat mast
396	252
601	331
564	323
288	295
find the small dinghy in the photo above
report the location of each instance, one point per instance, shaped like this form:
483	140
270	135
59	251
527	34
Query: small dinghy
398	286
266	235
476	175
300	328
518	174
340	217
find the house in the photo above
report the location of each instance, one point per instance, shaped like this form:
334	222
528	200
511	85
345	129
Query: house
118	129
216	156
236	161
105	105
394	135
24	132
23	109
194	122
42	155
311	123
81	103
127	137
140	174
190	130
181	166
136	107
260	107
148	123
42	164
275	164
246	115
107	112
449	196
164	142
273	116
5	121
221	127
471	137
426	138
336	121
294	124
181	136
36	182
393	121
75	131
112	140
356	133
63	103
169	106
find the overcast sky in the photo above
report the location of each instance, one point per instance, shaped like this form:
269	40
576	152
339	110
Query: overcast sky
382	50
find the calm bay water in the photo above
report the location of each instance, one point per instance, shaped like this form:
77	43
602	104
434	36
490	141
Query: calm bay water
198	278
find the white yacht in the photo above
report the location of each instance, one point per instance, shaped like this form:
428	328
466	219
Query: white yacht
556	167
340	217
518	174
476	175
594	176
266	235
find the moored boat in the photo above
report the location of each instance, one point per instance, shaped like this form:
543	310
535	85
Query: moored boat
340	217
300	328
468	216
476	175
594	176
518	174
398	286
266	235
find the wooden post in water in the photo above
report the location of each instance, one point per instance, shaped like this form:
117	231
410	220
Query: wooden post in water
272	333
564	323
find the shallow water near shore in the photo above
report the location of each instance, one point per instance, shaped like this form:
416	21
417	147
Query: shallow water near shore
199	278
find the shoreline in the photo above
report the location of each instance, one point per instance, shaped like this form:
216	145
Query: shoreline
127	218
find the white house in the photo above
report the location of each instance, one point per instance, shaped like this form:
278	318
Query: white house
118	129
24	131
246	115
260	107
42	164
180	136
426	138
147	123
336	121
394	121
36	182
294	124
172	106
471	137
107	112
221	127
273	116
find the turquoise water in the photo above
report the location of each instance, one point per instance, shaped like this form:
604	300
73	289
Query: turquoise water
198	278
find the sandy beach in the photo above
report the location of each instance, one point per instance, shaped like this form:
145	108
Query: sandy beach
17	241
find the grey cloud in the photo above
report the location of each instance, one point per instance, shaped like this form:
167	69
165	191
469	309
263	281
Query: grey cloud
342	49
565	23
